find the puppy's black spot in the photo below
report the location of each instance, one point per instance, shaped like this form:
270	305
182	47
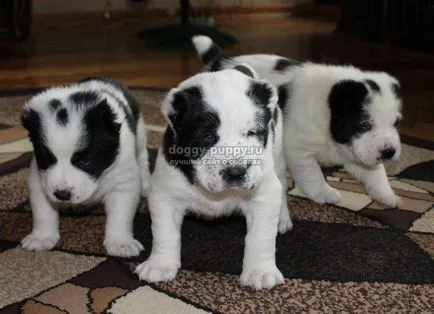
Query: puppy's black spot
396	89
54	104
131	109
62	117
182	102
84	98
31	120
283	92
262	122
245	70
347	101
374	86
273	131
283	64
261	94
275	115
194	131
99	141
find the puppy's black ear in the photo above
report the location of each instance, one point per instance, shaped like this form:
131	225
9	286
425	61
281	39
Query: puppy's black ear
263	94
101	117
30	120
177	104
247	70
346	94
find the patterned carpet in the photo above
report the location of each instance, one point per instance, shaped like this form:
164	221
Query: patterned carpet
357	257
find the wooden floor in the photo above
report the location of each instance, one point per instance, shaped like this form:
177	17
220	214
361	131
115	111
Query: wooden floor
61	51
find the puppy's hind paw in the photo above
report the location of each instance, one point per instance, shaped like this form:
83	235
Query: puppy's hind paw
154	270
262	278
39	242
126	247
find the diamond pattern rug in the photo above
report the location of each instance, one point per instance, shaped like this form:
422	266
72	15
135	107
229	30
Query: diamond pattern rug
354	257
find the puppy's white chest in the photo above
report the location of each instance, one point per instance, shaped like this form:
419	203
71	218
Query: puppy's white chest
215	206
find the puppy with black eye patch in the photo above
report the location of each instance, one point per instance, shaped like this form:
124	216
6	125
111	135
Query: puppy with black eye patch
334	115
221	154
90	146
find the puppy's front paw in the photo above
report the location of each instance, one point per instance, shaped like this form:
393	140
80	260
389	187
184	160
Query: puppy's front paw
37	241
387	198
123	247
155	269
285	225
328	195
260	278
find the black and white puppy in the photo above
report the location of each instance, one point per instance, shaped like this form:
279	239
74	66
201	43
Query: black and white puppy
336	115
90	146
221	154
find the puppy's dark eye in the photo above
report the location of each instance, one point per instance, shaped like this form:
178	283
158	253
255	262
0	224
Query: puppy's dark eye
252	133
397	123
80	159
365	126
209	137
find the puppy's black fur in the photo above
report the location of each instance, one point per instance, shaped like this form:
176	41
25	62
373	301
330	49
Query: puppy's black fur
194	126
349	118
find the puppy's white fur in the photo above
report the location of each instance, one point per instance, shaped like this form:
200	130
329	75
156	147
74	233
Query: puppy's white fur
118	187
260	200
306	132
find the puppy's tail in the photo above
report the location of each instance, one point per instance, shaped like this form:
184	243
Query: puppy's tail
210	53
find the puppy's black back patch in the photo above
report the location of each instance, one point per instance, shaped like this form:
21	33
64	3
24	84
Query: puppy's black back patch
349	118
31	121
99	141
195	127
282	64
62	117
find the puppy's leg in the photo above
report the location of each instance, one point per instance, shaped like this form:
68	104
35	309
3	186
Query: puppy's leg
142	157
285	222
259	264
376	183
165	258
308	176
45	232
121	206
